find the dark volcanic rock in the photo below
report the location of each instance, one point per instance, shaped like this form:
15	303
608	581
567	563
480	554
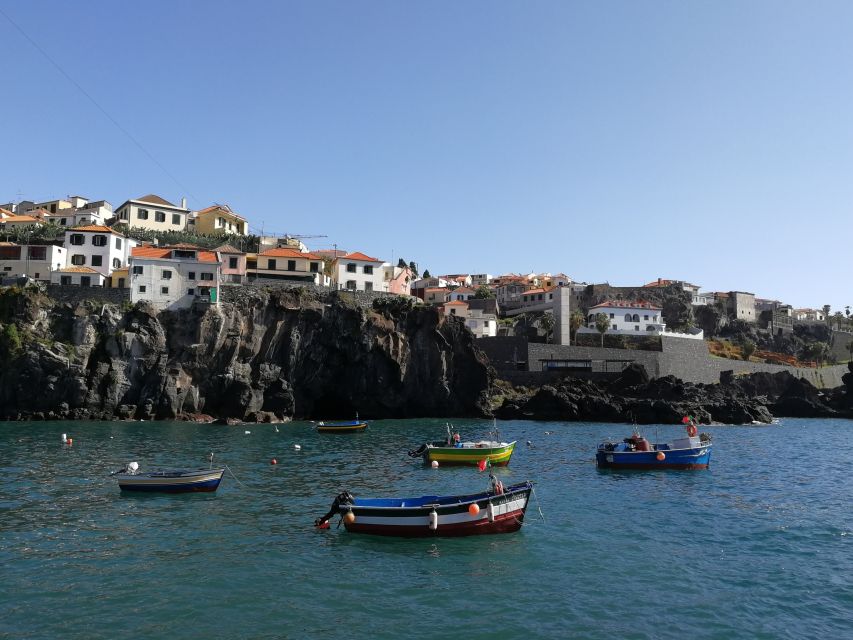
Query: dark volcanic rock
278	355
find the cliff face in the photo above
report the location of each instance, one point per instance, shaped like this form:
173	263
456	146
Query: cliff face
277	355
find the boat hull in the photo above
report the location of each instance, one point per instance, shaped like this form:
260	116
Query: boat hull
684	459
206	481
498	513
469	455
342	428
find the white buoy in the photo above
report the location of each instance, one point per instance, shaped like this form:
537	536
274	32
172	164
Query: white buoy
248	432
490	510
433	520
435	464
298	447
64	438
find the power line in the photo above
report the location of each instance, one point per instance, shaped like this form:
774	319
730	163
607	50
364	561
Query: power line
99	107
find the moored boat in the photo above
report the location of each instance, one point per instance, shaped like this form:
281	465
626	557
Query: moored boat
636	452
169	481
454	451
498	510
345	426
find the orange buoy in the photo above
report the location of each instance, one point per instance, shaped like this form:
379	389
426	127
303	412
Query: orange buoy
661	456
474	509
69	441
349	517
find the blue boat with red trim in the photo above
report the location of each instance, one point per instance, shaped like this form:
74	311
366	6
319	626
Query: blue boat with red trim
636	452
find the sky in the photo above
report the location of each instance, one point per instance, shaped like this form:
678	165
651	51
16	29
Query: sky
612	141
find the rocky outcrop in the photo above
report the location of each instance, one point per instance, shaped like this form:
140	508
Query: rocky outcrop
280	354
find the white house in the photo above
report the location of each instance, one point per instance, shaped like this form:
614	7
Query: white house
481	324
627	317
358	272
82	213
77	276
35	261
478	279
174	277
155	213
97	246
462	293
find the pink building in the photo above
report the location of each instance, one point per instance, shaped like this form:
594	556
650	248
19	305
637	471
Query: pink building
398	280
233	264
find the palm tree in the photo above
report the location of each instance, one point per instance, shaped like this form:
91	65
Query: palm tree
850	349
602	324
575	323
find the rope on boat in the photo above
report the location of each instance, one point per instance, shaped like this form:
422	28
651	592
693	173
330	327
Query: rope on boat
233	476
538	507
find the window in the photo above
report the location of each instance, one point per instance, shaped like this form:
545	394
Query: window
123	214
78	259
271	265
176	218
85	281
291	265
99	241
7	268
220	222
351	285
614	327
84	220
53	208
63	221
159	216
232	263
191	275
64	279
207	276
137	271
368	286
121	284
350	268
636	327
190	292
368	269
38	253
611	316
453	312
78	239
539	297
116	263
167	274
142	288
118	243
97	261
164	290
142	214
627	317
36	275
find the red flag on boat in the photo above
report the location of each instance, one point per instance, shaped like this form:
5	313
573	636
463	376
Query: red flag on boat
685	420
482	464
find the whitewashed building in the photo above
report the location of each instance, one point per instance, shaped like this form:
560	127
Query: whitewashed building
99	247
78	277
461	293
155	213
479	279
627	317
82	213
481	324
34	261
174	277
358	272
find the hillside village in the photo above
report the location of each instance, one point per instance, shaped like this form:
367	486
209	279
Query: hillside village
173	257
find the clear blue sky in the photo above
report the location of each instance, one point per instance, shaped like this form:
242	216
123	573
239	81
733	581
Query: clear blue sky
614	141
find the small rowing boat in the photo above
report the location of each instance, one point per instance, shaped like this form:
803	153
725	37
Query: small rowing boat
346	426
498	510
168	481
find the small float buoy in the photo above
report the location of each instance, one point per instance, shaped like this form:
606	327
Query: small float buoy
247	432
435	464
69	442
298	447
661	456
273	461
433	520
349	517
64	438
323	525
474	509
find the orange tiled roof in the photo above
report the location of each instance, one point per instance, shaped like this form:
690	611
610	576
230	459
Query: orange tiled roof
77	270
456	303
227	248
165	253
224	208
15	218
357	255
287	252
94	228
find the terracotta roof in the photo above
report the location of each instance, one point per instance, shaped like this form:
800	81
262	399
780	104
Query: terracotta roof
5	212
151	198
622	304
76	270
94	228
443	289
287	252
15	218
165	253
186	245
456	303
224	208
464	290
227	248
357	255
544	290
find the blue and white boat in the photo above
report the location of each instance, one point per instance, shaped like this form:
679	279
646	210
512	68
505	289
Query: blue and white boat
169	481
692	452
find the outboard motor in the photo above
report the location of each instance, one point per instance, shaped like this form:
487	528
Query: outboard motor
345	497
130	468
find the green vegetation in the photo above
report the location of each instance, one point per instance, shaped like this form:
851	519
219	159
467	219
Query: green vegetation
747	348
483	293
576	321
602	324
248	244
10	342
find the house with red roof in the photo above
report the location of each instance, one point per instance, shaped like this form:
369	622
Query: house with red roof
175	277
632	317
287	263
155	213
102	248
358	272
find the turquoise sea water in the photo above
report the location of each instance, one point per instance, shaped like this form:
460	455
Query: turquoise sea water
759	546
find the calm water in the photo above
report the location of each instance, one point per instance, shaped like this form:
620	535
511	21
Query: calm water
760	546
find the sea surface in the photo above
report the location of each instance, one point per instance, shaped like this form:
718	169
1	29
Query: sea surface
759	546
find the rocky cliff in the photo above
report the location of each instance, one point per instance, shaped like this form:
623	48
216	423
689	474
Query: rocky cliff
279	354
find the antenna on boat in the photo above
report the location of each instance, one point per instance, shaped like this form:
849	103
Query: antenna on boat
210	457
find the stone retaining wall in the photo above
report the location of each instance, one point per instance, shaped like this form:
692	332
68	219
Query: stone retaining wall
237	294
75	294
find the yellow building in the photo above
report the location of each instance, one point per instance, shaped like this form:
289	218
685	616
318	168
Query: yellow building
119	279
218	219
